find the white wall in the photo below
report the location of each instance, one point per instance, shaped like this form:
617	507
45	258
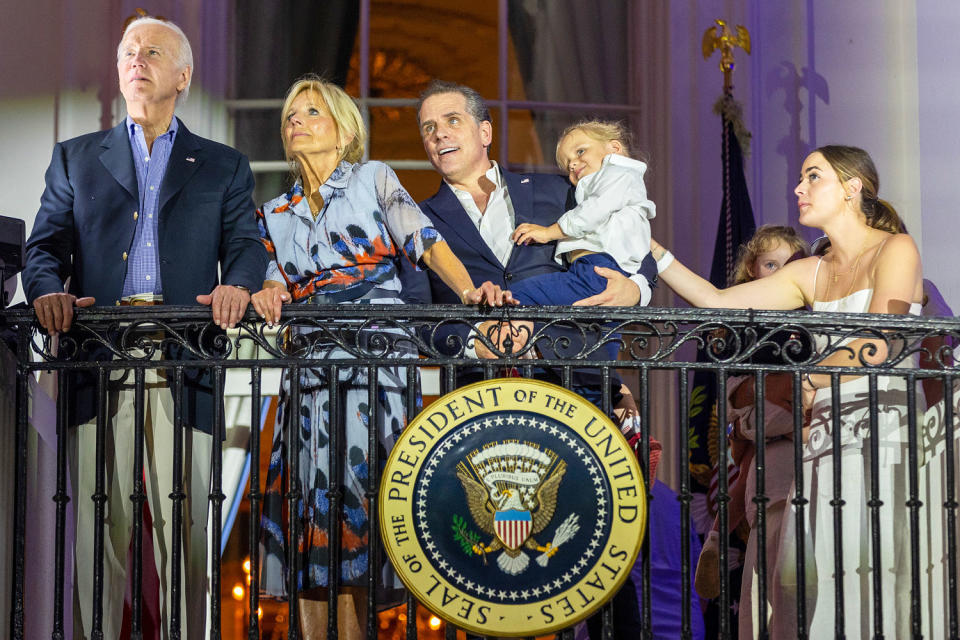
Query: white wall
938	57
28	126
847	74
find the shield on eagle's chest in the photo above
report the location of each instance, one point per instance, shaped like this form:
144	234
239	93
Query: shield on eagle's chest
512	527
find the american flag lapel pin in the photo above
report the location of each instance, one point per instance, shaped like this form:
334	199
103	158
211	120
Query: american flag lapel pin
191	159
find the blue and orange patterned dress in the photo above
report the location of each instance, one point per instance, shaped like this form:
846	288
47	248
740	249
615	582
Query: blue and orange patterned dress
346	255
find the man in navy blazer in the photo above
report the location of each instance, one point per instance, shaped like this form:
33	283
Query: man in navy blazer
89	215
143	214
476	209
479	203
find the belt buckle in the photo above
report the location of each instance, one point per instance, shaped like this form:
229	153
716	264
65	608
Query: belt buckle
144	330
141	300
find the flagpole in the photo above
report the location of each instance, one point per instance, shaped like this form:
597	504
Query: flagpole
725	39
710	461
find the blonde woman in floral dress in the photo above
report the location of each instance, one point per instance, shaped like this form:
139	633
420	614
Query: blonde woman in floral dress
334	238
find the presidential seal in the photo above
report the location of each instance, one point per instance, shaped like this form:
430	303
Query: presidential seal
512	507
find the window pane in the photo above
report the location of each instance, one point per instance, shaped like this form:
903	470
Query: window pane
269	185
570	50
412	42
419	184
394	134
257	133
277	42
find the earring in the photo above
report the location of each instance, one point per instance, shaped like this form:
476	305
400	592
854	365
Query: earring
848	198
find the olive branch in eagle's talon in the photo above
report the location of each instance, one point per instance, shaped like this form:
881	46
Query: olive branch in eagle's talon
469	540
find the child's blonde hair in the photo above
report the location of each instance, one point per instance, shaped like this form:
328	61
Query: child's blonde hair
765	239
602	130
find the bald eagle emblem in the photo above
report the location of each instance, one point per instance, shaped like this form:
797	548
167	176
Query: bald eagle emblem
511	489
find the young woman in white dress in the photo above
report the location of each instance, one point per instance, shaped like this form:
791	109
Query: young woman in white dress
870	268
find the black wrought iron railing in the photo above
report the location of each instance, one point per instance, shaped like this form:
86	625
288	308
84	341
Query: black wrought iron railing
870	415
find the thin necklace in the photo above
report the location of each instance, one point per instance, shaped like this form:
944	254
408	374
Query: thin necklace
319	208
834	275
833	267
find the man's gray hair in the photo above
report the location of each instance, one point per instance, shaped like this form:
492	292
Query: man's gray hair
184	52
476	105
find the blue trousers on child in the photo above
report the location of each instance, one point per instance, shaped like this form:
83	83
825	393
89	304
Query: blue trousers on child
579	281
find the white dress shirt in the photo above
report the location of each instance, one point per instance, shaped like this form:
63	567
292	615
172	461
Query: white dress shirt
612	216
496	223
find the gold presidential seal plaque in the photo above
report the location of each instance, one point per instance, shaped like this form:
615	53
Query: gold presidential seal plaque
512	507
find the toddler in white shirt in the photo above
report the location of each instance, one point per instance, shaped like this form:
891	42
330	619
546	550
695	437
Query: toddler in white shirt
609	227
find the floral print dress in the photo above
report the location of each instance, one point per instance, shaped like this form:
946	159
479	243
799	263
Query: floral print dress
346	255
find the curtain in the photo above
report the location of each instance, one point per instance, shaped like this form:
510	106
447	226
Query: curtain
276	43
569	51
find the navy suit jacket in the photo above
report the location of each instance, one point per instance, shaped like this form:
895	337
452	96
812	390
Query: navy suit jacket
536	198
85	227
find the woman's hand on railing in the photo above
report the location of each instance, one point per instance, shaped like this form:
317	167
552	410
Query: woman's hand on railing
268	302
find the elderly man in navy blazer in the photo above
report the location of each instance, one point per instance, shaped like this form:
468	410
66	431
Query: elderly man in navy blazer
144	214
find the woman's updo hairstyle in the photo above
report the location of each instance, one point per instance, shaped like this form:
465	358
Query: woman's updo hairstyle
853	162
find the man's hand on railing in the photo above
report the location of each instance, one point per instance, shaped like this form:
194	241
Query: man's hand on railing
228	304
490	294
519	331
55	311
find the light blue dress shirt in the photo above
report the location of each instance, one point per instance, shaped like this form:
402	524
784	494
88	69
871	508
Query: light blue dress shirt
143	261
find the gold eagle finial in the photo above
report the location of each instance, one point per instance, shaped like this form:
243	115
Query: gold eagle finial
721	37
